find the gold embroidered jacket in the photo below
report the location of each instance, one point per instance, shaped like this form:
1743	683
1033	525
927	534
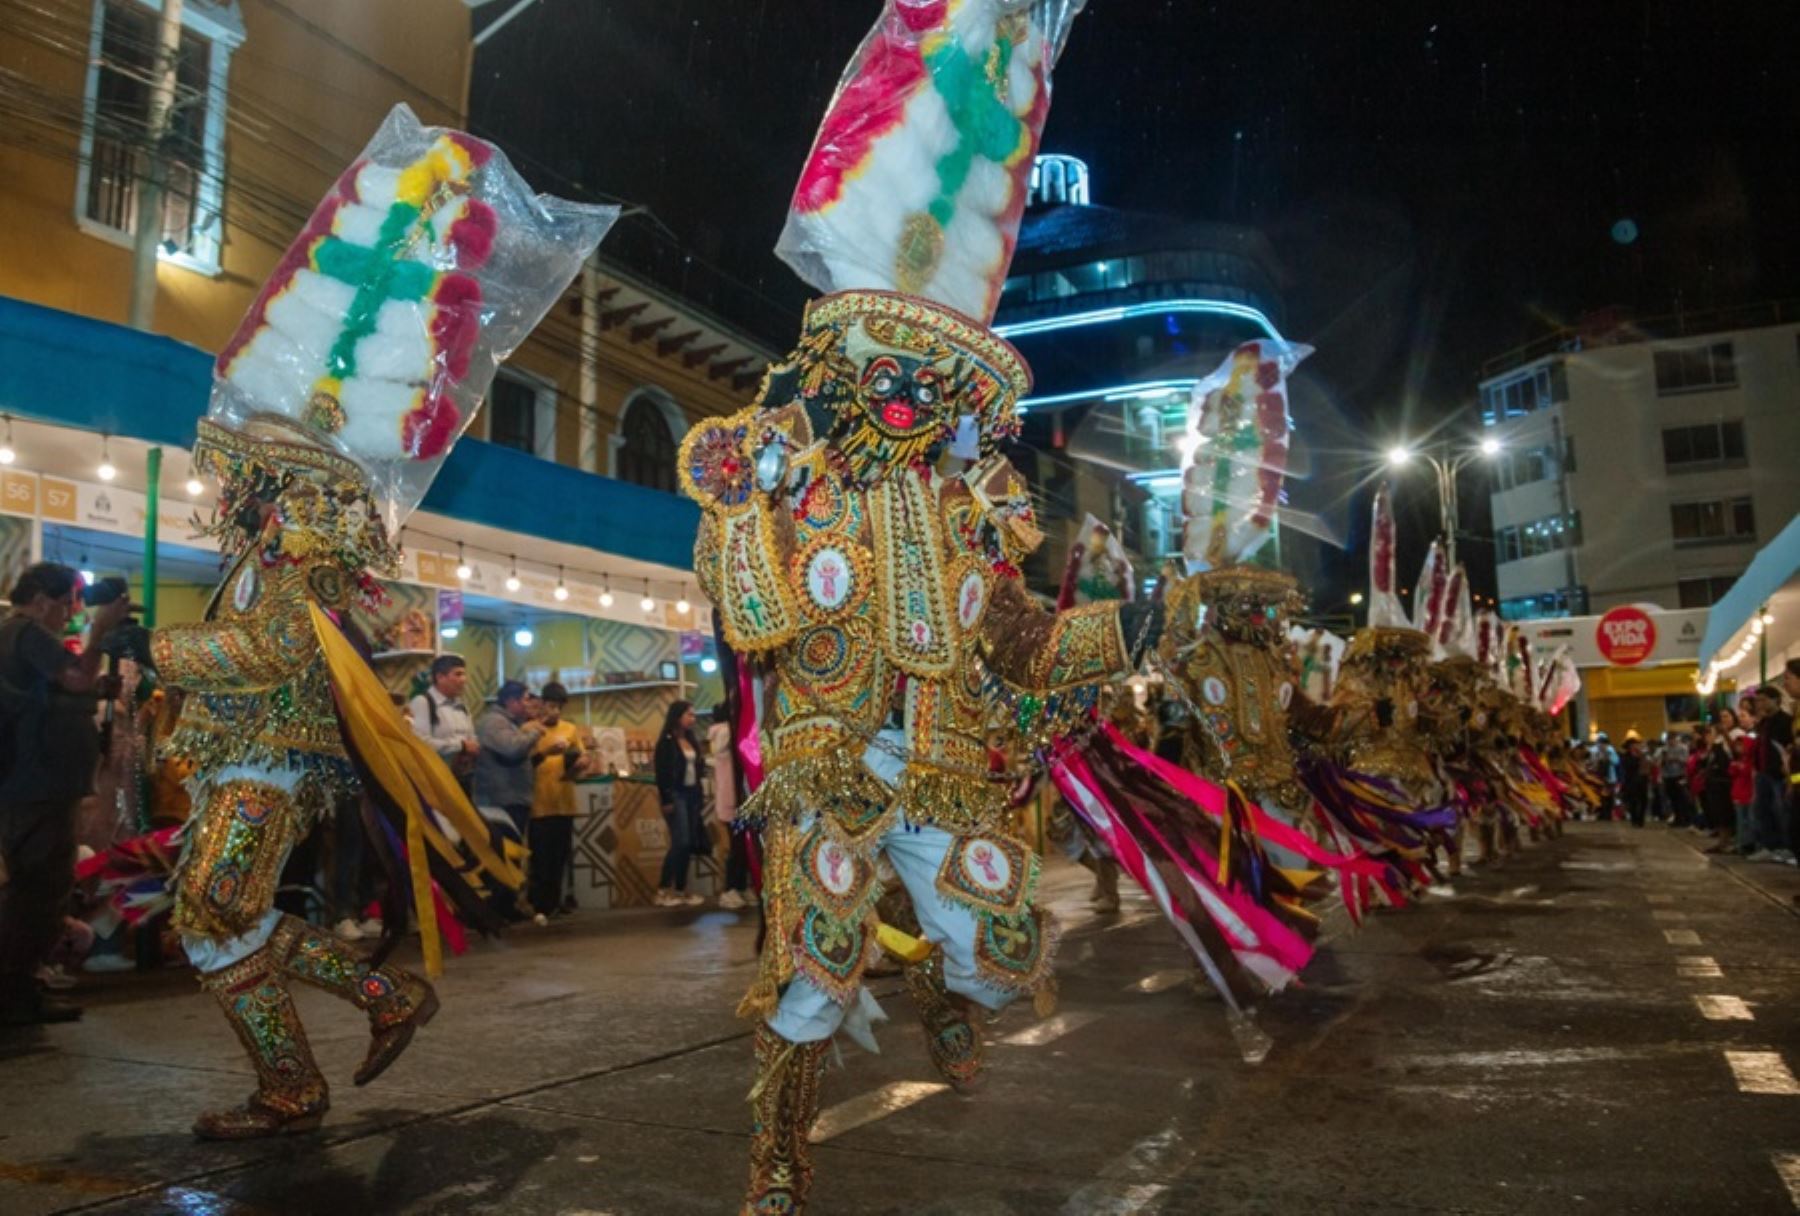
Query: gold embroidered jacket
878	593
258	689
1381	692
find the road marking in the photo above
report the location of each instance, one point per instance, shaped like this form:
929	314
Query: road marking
1049	1030
1114	1199
1761	1072
1698	967
1130	922
1788	1166
1724	1009
1125	1185
1660	899
1667	914
867	1108
1681	937
1161	981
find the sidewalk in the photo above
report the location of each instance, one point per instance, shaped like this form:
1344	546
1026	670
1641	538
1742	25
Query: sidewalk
1778	883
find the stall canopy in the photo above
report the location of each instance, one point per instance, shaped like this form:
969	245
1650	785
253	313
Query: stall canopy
63	368
1771	582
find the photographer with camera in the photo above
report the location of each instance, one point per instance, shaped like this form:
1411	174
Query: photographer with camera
50	748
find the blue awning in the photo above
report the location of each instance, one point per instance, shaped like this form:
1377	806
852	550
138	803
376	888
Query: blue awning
1769	571
63	368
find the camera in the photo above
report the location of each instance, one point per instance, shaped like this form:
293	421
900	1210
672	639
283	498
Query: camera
104	591
130	640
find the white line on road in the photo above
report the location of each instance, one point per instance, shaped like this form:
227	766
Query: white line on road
1761	1072
867	1108
1114	1199
1681	937
1724	1009
1049	1030
1698	967
1788	1166
1161	981
1667	914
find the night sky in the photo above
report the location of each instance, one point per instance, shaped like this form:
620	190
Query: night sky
1438	185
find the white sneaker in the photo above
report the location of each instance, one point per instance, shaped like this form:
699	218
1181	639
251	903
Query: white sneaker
731	900
691	901
371	927
55	978
349	930
667	899
540	920
105	963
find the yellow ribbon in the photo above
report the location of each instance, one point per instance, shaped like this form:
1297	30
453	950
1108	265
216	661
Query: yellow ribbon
901	944
414	777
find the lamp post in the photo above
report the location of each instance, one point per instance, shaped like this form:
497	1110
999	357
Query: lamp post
1446	464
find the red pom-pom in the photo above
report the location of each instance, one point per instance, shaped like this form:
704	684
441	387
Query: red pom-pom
456	323
472	236
479	152
428	431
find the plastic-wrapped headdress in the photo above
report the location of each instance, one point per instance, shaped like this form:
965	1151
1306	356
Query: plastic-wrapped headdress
1098	568
918	175
1490	644
1385	611
1237	454
380	329
1441	606
1560	684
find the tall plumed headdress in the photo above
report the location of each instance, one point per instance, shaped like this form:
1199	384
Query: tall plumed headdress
918	176
1385	611
378	333
1236	454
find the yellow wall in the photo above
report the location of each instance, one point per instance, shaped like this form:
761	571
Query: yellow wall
301	106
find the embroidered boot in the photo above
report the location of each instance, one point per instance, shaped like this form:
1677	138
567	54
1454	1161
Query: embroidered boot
783	1103
397	1002
951	1036
291	1095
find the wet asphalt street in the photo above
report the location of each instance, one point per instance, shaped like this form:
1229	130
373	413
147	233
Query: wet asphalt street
1606	1023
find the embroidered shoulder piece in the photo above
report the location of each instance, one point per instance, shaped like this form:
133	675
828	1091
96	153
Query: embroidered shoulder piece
1042	651
753	594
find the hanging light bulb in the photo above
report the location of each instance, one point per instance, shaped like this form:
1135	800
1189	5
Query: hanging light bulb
7	454
195	487
106	471
606	600
682	606
561	593
512	580
523	637
648	603
464	572
708	665
451	632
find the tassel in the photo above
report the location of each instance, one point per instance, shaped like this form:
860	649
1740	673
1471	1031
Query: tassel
759	1004
1043	1001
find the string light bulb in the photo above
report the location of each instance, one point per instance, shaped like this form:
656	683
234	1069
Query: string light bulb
107	471
512	580
194	487
606	599
562	592
648	603
464	572
682	606
7	454
523	637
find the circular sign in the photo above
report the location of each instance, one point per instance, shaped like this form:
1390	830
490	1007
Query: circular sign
829	578
987	866
971	598
1626	636
834	869
1213	689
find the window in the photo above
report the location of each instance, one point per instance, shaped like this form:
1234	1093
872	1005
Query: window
1720	521
1695	368
1711	445
1704	592
1526	393
114	162
1551	535
512	413
1563	602
646	454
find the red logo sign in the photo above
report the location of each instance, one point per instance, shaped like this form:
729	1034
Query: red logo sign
1626	636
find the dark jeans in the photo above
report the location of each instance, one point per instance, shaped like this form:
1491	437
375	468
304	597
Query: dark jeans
505	903
1680	804
551	842
737	862
680	821
351	889
1771	813
37	840
1637	803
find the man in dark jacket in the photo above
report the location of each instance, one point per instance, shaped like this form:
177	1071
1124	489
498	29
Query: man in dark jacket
1774	736
50	749
504	777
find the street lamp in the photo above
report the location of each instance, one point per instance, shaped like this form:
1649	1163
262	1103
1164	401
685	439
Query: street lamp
1446	463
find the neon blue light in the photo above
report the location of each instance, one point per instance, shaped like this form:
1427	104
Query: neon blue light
1104	316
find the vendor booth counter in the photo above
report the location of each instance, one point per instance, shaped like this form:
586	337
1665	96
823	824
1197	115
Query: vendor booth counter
620	841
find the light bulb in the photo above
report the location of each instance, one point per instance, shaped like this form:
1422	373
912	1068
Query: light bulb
561	593
195	487
87	577
1397	456
524	637
682	606
1490	446
464	571
512	582
452	632
7	455
709	665
648	604
606	600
